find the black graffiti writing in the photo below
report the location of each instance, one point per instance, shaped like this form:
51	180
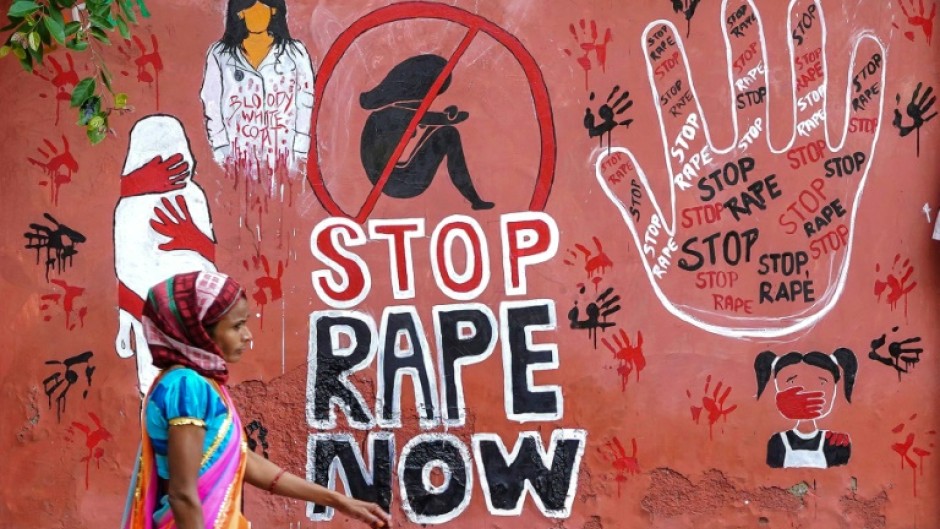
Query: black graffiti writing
842	166
69	377
58	241
804	23
735	247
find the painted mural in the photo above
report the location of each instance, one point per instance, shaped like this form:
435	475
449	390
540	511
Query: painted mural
589	266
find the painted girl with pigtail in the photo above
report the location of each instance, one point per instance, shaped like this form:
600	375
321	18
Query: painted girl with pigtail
806	389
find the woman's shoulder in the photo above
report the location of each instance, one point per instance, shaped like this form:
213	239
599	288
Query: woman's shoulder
181	379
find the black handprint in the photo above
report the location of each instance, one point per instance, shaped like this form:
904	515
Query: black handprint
608	113
915	110
687	8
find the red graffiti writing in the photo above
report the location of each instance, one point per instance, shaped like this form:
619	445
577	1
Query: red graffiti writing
66	301
64	80
149	63
897	283
587	43
58	166
629	357
92	439
906	448
714	404
621	463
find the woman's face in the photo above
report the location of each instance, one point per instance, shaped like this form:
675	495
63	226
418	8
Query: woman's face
805	392
257	17
231	333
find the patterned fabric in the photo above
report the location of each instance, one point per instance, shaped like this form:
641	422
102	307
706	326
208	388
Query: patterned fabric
221	475
183	396
176	315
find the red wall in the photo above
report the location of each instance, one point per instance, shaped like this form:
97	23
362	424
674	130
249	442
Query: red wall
646	413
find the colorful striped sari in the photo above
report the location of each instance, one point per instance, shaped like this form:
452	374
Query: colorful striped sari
219	485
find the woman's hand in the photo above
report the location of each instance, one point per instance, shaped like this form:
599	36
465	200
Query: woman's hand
366	512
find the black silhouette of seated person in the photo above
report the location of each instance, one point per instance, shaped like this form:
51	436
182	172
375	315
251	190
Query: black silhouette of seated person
393	104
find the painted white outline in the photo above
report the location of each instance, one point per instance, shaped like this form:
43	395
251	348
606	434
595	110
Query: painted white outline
395	421
468	467
418	224
752	327
524	236
337	469
509	400
462	361
457	232
353	236
563	434
343	378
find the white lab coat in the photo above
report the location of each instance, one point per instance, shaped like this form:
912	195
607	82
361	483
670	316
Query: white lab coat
260	114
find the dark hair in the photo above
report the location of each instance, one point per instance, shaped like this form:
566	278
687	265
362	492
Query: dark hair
408	80
236	31
841	358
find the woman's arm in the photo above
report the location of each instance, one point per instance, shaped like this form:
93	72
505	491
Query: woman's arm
263	474
184	456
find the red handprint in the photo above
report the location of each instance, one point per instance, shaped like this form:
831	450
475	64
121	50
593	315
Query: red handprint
620	461
146	60
68	303
58	166
267	283
714	404
896	282
907	446
156	176
589	44
63	80
630	357
179	227
799	405
919	18
92	439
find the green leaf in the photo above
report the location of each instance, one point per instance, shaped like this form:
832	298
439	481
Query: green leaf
72	28
35	54
77	45
106	78
99	34
22	8
90	108
26	61
96	135
43	34
128	10
101	22
5	50
33	39
143	9
83	90
122	27
120	100
56	14
55	27
19	52
96	122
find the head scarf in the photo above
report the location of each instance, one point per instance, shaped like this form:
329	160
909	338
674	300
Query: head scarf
176	315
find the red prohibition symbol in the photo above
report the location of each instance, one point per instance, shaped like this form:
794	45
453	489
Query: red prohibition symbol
474	24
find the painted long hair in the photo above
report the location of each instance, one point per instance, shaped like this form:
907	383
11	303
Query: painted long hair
236	31
841	361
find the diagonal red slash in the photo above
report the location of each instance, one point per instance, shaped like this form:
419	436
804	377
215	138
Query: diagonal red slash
410	129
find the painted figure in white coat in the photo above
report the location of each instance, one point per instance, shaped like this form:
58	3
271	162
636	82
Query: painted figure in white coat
257	93
806	390
162	227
